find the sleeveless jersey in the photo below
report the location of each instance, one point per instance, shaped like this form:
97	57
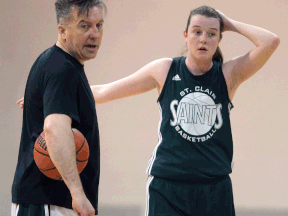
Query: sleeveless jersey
195	139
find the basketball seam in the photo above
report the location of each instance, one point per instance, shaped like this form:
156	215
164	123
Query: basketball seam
81	146
48	169
41	152
82	160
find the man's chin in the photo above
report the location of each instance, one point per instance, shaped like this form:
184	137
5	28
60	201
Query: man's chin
90	56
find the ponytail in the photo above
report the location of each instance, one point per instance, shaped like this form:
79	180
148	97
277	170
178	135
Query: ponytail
218	56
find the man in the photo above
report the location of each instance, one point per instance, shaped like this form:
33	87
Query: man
57	98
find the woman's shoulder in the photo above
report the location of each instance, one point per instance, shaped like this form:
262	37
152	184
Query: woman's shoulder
162	62
159	69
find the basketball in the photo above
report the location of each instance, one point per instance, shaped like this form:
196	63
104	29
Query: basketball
44	162
196	113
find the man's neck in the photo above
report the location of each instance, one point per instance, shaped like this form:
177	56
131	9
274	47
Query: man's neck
65	49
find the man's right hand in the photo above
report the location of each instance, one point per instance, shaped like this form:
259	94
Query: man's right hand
20	103
82	206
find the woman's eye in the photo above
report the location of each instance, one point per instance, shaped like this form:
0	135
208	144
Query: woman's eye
99	25
84	26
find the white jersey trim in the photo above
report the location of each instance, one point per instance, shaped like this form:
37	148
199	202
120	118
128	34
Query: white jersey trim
153	157
150	178
14	209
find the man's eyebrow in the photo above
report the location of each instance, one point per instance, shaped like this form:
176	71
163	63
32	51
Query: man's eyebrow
83	21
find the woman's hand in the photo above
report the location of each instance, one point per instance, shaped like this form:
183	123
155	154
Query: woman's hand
20	103
228	23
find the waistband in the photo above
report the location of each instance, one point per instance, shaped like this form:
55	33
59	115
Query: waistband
197	181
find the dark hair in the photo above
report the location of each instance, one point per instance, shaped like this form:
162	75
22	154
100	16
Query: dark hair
63	8
209	12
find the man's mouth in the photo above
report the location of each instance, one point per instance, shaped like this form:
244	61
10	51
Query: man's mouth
91	46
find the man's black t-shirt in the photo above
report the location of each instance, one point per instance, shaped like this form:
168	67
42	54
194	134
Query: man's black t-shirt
57	84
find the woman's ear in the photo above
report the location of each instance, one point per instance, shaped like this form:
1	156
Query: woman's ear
185	35
220	37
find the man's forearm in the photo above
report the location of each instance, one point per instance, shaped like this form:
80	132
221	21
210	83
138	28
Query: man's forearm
61	146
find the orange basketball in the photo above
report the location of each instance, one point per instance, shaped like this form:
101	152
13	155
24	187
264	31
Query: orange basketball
43	160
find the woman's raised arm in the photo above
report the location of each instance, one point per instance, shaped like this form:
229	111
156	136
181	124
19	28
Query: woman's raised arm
243	67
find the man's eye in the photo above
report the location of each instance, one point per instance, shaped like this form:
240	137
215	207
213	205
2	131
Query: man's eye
212	34
99	25
84	26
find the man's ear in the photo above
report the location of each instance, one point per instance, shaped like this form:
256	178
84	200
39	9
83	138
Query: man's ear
62	29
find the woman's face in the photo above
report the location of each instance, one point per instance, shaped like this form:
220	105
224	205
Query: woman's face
202	37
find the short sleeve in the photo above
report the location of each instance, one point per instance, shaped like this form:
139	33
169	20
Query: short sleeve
60	93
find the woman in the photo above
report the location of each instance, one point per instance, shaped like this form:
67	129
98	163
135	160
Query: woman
189	168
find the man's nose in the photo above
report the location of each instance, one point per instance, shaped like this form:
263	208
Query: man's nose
95	33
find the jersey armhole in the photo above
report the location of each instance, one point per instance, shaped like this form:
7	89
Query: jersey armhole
166	81
226	88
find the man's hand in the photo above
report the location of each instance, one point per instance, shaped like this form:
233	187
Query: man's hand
82	206
20	103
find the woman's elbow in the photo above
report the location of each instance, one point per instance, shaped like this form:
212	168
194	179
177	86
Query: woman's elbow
274	42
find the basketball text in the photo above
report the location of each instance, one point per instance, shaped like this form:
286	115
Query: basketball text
42	143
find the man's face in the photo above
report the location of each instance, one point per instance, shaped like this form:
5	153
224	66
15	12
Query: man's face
83	34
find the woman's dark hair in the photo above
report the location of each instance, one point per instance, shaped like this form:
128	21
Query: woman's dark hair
63	8
211	13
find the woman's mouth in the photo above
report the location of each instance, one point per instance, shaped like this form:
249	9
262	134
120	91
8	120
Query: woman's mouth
202	49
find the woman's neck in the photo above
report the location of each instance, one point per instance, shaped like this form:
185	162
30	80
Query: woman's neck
198	67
